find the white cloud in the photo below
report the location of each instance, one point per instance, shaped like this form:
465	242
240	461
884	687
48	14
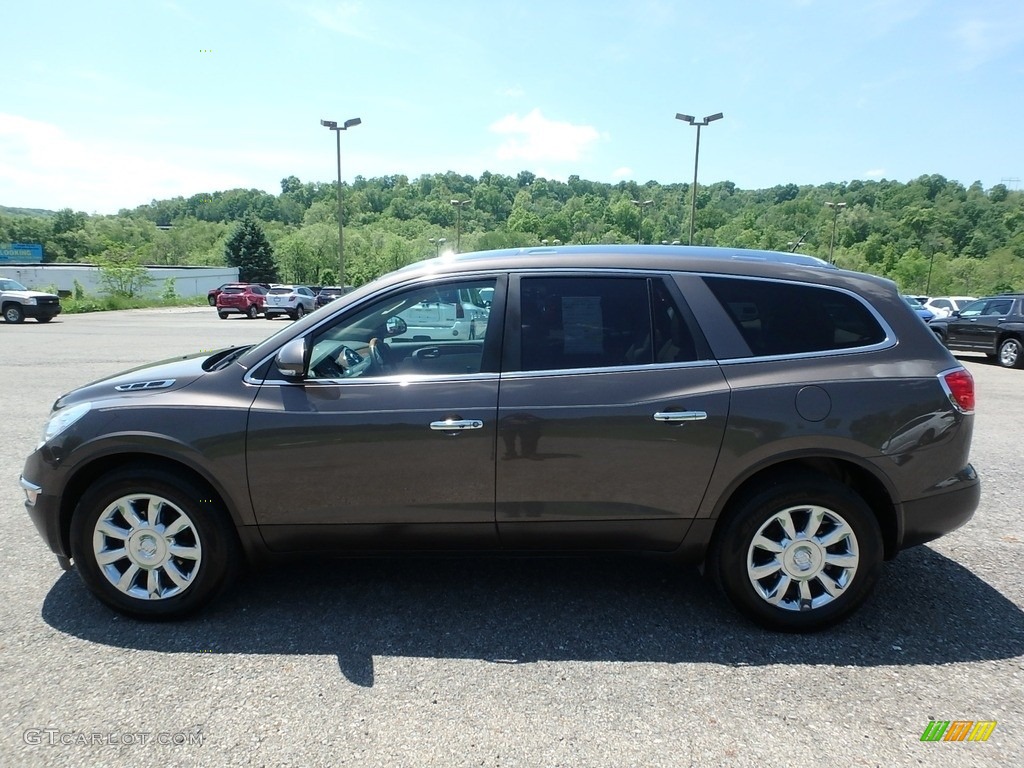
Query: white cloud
622	173
43	167
346	18
535	138
513	92
875	173
981	40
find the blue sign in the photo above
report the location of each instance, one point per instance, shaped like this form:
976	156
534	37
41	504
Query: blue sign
21	253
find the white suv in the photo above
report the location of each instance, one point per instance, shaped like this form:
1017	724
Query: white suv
292	300
944	306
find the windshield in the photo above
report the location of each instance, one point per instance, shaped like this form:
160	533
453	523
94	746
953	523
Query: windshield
11	285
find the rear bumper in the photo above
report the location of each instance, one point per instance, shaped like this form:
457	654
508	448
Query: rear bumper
934	516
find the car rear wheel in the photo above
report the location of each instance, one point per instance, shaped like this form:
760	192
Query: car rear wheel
253	312
797	554
1010	354
222	315
153	545
13	313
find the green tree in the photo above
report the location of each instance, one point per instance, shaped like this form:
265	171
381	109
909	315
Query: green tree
248	249
121	273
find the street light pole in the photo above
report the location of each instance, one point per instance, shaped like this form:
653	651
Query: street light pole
641	205
696	157
438	242
836	210
458	221
333	125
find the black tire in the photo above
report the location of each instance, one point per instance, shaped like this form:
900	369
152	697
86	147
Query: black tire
43	319
222	315
1011	355
735	562
300	312
252	312
204	527
212	300
13	313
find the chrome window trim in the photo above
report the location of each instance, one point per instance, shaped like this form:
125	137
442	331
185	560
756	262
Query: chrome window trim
403	380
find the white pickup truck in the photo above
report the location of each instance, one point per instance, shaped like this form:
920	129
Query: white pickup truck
17	302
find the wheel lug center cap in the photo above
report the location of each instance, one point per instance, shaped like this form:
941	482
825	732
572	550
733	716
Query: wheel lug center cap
147	548
803	560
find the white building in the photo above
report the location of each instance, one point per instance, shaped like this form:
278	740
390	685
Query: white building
188	281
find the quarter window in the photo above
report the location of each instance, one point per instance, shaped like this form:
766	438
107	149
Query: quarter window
777	318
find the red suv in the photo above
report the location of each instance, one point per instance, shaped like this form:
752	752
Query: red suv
245	298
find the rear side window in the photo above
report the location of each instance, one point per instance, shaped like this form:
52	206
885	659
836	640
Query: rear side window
778	318
600	322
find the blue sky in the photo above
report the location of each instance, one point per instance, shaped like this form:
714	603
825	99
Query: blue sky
109	104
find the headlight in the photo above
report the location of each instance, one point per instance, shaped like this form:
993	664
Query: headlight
31	301
64	419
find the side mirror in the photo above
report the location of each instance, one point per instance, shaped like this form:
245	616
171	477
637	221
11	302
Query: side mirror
291	359
396	326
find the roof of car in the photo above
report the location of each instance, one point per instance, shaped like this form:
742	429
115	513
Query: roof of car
627	254
668	258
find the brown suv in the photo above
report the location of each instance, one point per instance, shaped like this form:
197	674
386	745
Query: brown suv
787	424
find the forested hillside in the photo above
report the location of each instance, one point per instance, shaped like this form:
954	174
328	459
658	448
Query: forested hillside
931	235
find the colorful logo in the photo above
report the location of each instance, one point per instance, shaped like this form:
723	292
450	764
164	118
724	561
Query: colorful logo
958	730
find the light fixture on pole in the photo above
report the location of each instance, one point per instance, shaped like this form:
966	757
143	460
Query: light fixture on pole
458	221
799	242
333	125
836	210
438	242
641	204
696	157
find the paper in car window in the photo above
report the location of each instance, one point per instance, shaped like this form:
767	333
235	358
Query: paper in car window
582	325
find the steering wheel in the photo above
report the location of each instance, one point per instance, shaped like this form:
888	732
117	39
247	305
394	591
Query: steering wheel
339	365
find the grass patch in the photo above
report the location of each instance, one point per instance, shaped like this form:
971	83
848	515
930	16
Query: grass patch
72	306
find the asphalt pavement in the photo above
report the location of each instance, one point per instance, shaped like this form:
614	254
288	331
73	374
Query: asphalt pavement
480	662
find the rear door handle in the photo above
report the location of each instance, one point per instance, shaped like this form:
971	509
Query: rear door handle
456	425
678	417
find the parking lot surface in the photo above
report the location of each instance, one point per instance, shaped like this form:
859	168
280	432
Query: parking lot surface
484	662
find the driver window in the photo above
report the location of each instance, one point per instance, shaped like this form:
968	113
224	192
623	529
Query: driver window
433	329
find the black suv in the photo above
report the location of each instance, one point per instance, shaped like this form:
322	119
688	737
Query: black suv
785	423
993	325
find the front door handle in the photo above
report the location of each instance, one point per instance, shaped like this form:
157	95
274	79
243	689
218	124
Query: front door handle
678	417
456	425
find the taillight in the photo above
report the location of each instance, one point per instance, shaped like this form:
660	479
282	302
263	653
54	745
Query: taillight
959	385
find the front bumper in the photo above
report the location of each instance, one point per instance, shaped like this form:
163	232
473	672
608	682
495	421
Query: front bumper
44	510
44	311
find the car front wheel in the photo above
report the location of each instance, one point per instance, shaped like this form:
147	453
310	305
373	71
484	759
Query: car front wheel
797	554
152	545
1010	354
253	312
14	313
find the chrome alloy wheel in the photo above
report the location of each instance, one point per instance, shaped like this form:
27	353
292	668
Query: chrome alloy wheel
1009	353
147	547
802	558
